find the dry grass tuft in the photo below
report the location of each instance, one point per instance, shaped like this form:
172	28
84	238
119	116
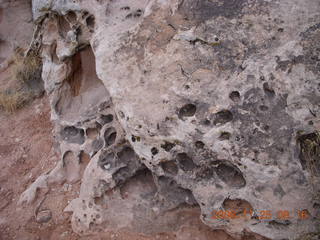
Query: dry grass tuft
26	74
27	69
310	152
10	101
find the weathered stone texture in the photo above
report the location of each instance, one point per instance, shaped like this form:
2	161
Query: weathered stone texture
185	102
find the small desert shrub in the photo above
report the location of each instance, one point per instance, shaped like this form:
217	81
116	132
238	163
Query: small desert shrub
27	69
10	101
310	152
26	76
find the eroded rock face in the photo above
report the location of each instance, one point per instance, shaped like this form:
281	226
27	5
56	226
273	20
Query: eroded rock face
185	103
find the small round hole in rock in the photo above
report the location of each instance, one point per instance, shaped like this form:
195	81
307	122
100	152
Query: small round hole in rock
92	133
90	21
121	114
73	135
169	167
121	175
222	117
154	151
110	136
224	136
106	161
167	146
72	17
135	138
127	8
126	155
268	90
84	14
235	96
231	175
106	119
199	144
206	122
185	162
187	110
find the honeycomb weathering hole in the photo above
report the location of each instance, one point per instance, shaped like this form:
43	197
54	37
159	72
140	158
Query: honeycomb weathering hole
73	135
92	133
126	154
154	151
173	192
105	119
121	175
224	136
199	144
185	162
71	164
82	88
167	146
110	136
106	160
268	90
127	164
187	110
71	16
142	181
231	175
67	156
222	117
90	21
170	167
235	96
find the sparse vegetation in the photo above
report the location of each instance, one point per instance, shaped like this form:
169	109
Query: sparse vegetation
27	69
310	152
310	160
10	101
26	76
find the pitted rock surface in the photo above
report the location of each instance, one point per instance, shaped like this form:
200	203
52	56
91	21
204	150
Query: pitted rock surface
174	103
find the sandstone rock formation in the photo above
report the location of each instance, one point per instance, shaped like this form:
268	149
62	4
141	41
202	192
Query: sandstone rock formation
163	103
